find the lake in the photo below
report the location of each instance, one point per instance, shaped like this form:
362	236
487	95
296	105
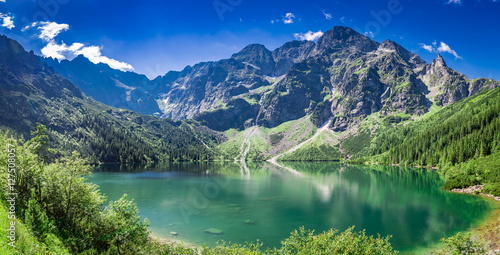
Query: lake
266	202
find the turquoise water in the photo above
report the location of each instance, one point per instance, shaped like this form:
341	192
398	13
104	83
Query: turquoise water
266	202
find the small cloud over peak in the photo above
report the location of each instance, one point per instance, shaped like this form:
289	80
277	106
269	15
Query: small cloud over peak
370	34
48	30
288	18
60	51
309	36
8	20
328	16
443	47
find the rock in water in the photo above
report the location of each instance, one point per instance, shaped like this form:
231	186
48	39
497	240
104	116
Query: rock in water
174	233
250	222
213	231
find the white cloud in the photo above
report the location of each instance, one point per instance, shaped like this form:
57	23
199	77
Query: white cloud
60	51
370	34
427	47
93	53
328	16
443	47
454	1
288	18
8	21
342	19
50	30
309	36
2	1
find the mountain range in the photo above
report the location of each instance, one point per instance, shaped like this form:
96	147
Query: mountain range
345	76
328	98
32	92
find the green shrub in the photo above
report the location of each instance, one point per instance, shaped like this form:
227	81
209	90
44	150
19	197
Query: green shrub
461	181
461	244
333	242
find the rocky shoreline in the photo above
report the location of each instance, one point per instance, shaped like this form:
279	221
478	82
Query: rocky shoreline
475	190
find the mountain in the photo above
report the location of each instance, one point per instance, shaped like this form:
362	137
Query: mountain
32	92
112	87
343	77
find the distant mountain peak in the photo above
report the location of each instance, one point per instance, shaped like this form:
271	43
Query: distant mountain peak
340	37
439	62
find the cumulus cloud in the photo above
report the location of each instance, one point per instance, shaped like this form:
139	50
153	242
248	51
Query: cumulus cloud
93	53
328	16
454	1
2	1
443	47
60	51
8	21
428	48
48	30
342	19
309	36
288	18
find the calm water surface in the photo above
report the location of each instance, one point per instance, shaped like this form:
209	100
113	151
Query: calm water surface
267	202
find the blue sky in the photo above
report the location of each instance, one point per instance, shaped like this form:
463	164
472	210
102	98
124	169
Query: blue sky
153	37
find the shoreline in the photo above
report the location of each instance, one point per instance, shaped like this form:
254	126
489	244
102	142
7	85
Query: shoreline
173	241
488	231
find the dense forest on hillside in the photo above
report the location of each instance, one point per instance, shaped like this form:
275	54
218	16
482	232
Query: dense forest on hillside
32	92
458	139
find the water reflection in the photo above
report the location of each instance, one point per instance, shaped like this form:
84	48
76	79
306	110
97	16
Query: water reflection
260	200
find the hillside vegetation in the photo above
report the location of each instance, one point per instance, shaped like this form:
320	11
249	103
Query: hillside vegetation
58	211
462	140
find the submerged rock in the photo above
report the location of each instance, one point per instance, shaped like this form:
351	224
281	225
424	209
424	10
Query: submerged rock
250	222
213	231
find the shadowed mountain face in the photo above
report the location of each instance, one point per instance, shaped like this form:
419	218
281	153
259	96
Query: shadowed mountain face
31	92
110	86
344	76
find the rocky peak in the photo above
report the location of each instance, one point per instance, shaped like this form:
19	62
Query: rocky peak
258	55
438	62
412	59
339	38
289	54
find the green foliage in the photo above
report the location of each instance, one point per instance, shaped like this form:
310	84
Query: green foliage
461	244
461	181
322	152
354	144
64	211
276	138
462	139
333	242
394	119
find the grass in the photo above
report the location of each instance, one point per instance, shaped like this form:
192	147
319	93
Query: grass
361	70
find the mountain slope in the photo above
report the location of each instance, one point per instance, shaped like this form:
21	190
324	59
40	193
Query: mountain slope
110	86
462	139
32	92
344	76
